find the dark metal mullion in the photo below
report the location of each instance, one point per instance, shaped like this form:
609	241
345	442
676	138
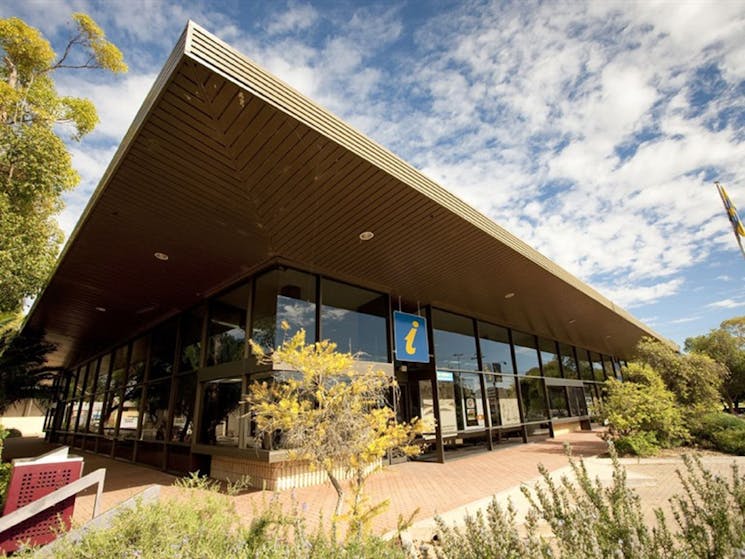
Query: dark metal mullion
439	441
82	396
482	381
93	395
122	393
518	385
143	395
319	295
172	395
542	379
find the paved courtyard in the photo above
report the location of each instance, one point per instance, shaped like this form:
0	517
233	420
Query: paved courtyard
451	490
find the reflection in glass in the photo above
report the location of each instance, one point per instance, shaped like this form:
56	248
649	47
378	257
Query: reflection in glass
501	393
283	295
162	350
495	348
534	400
113	402
183	411
355	319
549	358
455	342
558	400
568	361
526	354
220	416
585	369
155	415
191	340
469	404
577	403
226	328
597	366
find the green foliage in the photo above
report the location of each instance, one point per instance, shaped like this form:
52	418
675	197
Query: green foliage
710	513
329	413
726	345
23	373
641	412
643	443
35	164
721	431
200	522
586	520
4	467
695	379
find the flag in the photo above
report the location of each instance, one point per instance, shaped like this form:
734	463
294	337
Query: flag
729	207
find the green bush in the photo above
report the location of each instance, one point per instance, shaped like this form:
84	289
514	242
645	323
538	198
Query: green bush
641	413
200	522
638	444
731	441
586	520
4	467
721	431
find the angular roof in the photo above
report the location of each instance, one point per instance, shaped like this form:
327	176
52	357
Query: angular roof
226	169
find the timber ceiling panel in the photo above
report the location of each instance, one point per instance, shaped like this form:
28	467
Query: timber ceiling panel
225	169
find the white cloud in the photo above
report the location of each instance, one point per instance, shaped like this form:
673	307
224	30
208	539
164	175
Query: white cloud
726	304
296	18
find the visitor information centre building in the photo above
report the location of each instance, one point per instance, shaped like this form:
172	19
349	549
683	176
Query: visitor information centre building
235	203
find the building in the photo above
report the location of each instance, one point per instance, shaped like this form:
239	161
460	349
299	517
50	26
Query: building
234	203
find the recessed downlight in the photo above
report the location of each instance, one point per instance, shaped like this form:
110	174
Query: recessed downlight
101	309
572	321
366	235
161	256
509	295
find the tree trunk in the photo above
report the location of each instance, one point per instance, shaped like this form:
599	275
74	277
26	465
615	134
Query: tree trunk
339	492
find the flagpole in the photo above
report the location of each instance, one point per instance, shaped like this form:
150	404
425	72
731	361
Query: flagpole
732	214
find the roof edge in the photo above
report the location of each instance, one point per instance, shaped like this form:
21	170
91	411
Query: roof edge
276	92
151	98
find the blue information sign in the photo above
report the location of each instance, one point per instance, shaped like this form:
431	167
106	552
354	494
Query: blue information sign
410	332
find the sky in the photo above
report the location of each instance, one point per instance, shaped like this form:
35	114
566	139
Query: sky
592	131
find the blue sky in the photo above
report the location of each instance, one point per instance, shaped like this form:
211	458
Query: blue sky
592	131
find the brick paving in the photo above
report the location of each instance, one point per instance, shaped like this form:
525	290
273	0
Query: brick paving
451	489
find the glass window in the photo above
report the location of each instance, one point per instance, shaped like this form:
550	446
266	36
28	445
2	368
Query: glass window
220	419
469	404
534	399
568	361
526	354
607	367
191	340
558	398
455	343
355	319
81	409
155	415
495	348
549	358
104	374
597	366
226	329
185	387
577	403
585	369
114	395
501	394
283	295
162	350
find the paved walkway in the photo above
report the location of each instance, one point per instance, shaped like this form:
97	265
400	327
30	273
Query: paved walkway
451	490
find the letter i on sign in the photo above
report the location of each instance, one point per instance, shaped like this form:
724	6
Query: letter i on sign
410	349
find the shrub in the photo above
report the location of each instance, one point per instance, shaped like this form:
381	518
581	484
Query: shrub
730	441
587	520
4	468
638	444
200	522
641	413
722	431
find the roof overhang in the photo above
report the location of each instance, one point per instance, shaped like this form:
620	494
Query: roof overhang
226	168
